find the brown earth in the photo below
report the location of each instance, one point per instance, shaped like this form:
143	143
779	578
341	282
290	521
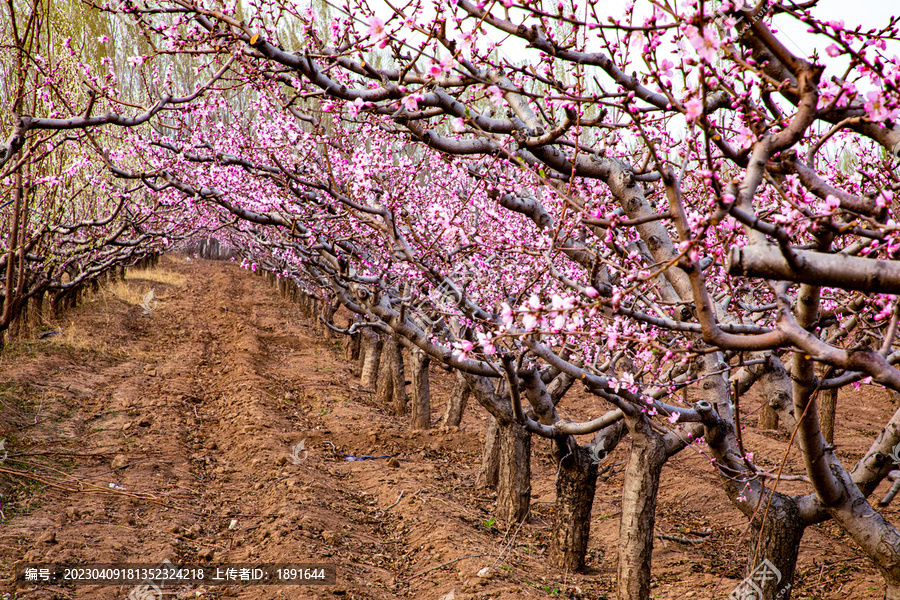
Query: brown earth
169	436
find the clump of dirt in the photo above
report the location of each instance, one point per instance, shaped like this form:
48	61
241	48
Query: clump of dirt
215	428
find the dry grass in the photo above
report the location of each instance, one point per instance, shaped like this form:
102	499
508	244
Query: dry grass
136	284
126	292
131	291
158	275
70	337
74	339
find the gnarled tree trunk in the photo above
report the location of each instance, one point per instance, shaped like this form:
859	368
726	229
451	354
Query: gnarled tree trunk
648	454
391	386
400	398
490	461
351	347
369	358
512	446
768	418
834	487
514	473
420	405
384	385
782	529
15	329
329	307
576	484
457	402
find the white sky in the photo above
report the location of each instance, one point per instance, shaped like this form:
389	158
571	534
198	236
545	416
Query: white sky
867	13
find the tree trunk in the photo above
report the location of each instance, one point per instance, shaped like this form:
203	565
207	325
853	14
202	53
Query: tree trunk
315	308
26	325
457	402
770	566
576	484
56	304
384	387
514	473
490	461
420	413
400	399
768	418
36	316
351	347
639	493
369	357
14	329
828	405
777	391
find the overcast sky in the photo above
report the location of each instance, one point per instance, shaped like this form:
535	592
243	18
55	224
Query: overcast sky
867	13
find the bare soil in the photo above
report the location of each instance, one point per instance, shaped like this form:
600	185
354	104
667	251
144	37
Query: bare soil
137	438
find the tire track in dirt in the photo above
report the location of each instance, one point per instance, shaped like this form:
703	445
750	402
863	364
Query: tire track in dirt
246	429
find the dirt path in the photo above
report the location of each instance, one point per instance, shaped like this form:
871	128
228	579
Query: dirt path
173	436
